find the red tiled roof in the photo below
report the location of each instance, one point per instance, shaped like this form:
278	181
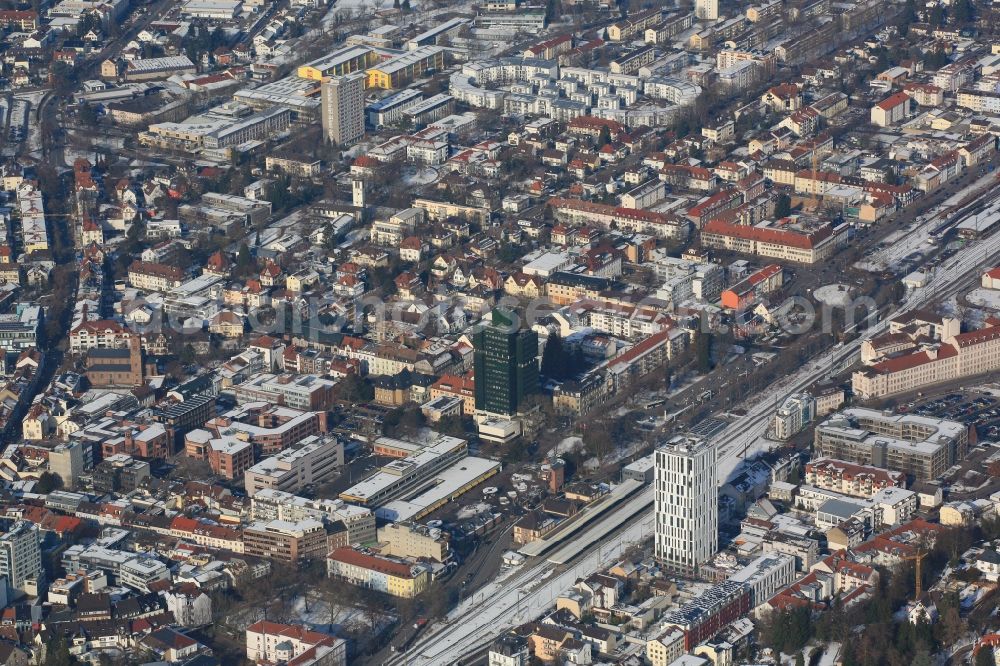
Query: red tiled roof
784	91
771	235
723	195
184	524
549	43
100	326
977	337
892	101
372	562
291	631
590	122
455	384
604	209
17	15
948	158
824	176
764	273
641	348
904	362
151	268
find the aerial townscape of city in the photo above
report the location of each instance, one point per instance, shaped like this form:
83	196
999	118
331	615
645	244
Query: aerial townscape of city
499	332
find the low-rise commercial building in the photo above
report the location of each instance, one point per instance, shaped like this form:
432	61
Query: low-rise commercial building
269	504
402	475
146	69
312	461
414	542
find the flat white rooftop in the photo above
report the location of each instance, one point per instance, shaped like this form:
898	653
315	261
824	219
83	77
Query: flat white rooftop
447	485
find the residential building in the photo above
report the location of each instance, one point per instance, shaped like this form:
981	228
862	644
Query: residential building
919	446
891	110
509	650
794	414
21	556
413	541
851	479
343	109
274	643
686	527
706	10
154	277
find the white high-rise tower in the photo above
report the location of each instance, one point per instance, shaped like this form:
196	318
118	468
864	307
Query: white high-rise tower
686	503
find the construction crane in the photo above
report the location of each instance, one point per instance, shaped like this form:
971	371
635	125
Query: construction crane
918	557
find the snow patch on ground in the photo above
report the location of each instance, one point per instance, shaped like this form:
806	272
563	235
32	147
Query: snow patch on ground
424	176
316	612
833	295
986	298
568	445
473	510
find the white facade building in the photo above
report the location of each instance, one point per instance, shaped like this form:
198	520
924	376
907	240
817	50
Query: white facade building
766	576
20	555
795	413
686	503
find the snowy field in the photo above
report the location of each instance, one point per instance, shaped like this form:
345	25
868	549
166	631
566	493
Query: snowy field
316	613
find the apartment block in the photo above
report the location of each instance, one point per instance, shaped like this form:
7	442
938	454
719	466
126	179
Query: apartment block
287	541
919	446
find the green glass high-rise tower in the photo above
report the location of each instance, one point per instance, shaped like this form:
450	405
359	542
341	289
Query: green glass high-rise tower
505	365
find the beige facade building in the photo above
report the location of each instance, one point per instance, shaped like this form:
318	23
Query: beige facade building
634	25
343	99
287	541
666	648
804	247
151	276
955	357
614	217
413	541
850	479
891	110
383	574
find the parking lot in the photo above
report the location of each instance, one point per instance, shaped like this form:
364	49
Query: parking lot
974	408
